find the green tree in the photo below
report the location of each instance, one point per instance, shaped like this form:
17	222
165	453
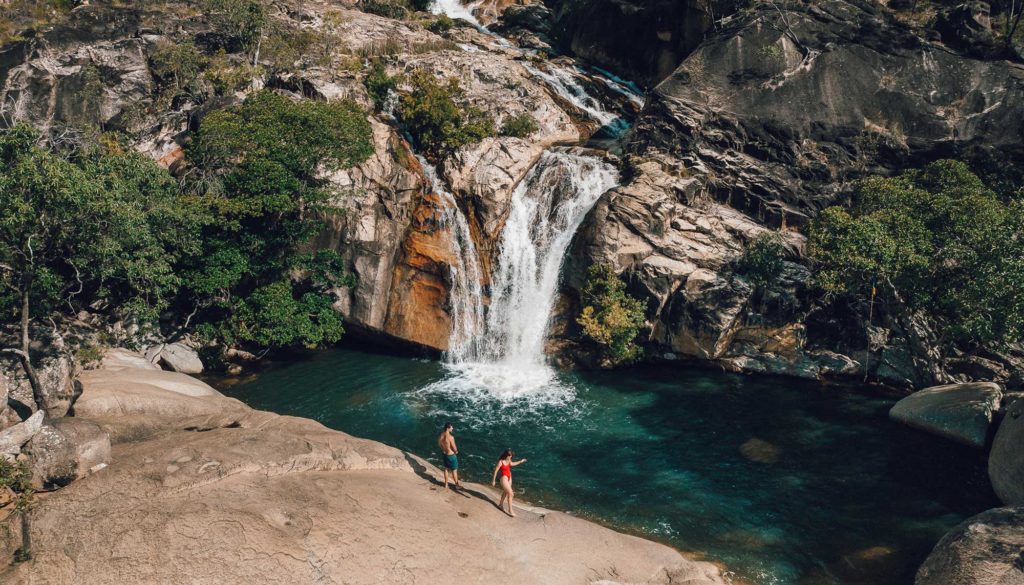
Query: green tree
238	22
260	169
93	225
935	241
762	262
611	318
437	116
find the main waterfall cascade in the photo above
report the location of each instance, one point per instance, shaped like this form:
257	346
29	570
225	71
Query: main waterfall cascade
504	353
496	344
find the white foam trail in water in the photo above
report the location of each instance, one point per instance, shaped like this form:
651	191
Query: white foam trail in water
508	362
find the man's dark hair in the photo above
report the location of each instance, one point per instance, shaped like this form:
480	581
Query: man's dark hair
447	426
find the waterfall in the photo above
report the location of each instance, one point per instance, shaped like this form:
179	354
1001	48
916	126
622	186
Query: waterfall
500	352
455	9
466	306
547	208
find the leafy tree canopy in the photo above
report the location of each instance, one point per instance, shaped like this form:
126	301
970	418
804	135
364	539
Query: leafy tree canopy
937	240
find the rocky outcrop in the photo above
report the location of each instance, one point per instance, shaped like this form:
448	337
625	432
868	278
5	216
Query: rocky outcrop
781	109
987	549
253	497
55	369
1006	460
766	122
639	39
961	412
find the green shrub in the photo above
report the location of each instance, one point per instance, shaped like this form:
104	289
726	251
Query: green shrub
178	64
441	25
379	84
277	315
936	241
396	10
421	5
519	126
762	261
438	118
611	318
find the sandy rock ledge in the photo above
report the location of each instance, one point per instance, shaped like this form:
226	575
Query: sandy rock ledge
214	492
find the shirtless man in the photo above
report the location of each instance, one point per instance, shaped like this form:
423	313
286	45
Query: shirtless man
449	452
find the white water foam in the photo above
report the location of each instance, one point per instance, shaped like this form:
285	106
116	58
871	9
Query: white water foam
455	9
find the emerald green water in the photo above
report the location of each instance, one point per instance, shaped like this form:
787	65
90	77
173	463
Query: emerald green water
784	481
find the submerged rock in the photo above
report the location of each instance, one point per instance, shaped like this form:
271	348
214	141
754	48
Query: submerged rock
961	412
1006	461
987	549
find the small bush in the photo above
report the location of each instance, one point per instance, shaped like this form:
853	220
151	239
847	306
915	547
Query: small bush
379	84
519	126
386	9
762	261
421	5
611	318
442	25
437	117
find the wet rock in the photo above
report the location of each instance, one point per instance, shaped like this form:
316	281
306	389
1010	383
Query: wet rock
961	412
987	549
14	437
1006	460
67	449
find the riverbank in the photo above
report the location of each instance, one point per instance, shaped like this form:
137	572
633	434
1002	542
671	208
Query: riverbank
203	489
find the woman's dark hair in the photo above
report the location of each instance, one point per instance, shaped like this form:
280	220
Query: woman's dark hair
505	454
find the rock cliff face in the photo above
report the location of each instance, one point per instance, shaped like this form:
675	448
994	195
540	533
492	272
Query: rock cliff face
755	123
765	123
779	113
644	40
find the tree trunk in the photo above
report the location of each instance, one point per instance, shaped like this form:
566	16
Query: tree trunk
920	347
26	536
26	363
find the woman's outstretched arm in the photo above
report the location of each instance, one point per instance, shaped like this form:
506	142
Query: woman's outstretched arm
521	461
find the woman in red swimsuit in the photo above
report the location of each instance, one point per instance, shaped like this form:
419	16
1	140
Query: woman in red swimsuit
505	465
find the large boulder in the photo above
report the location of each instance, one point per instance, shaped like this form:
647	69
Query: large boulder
176	357
987	549
961	412
67	449
1006	461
